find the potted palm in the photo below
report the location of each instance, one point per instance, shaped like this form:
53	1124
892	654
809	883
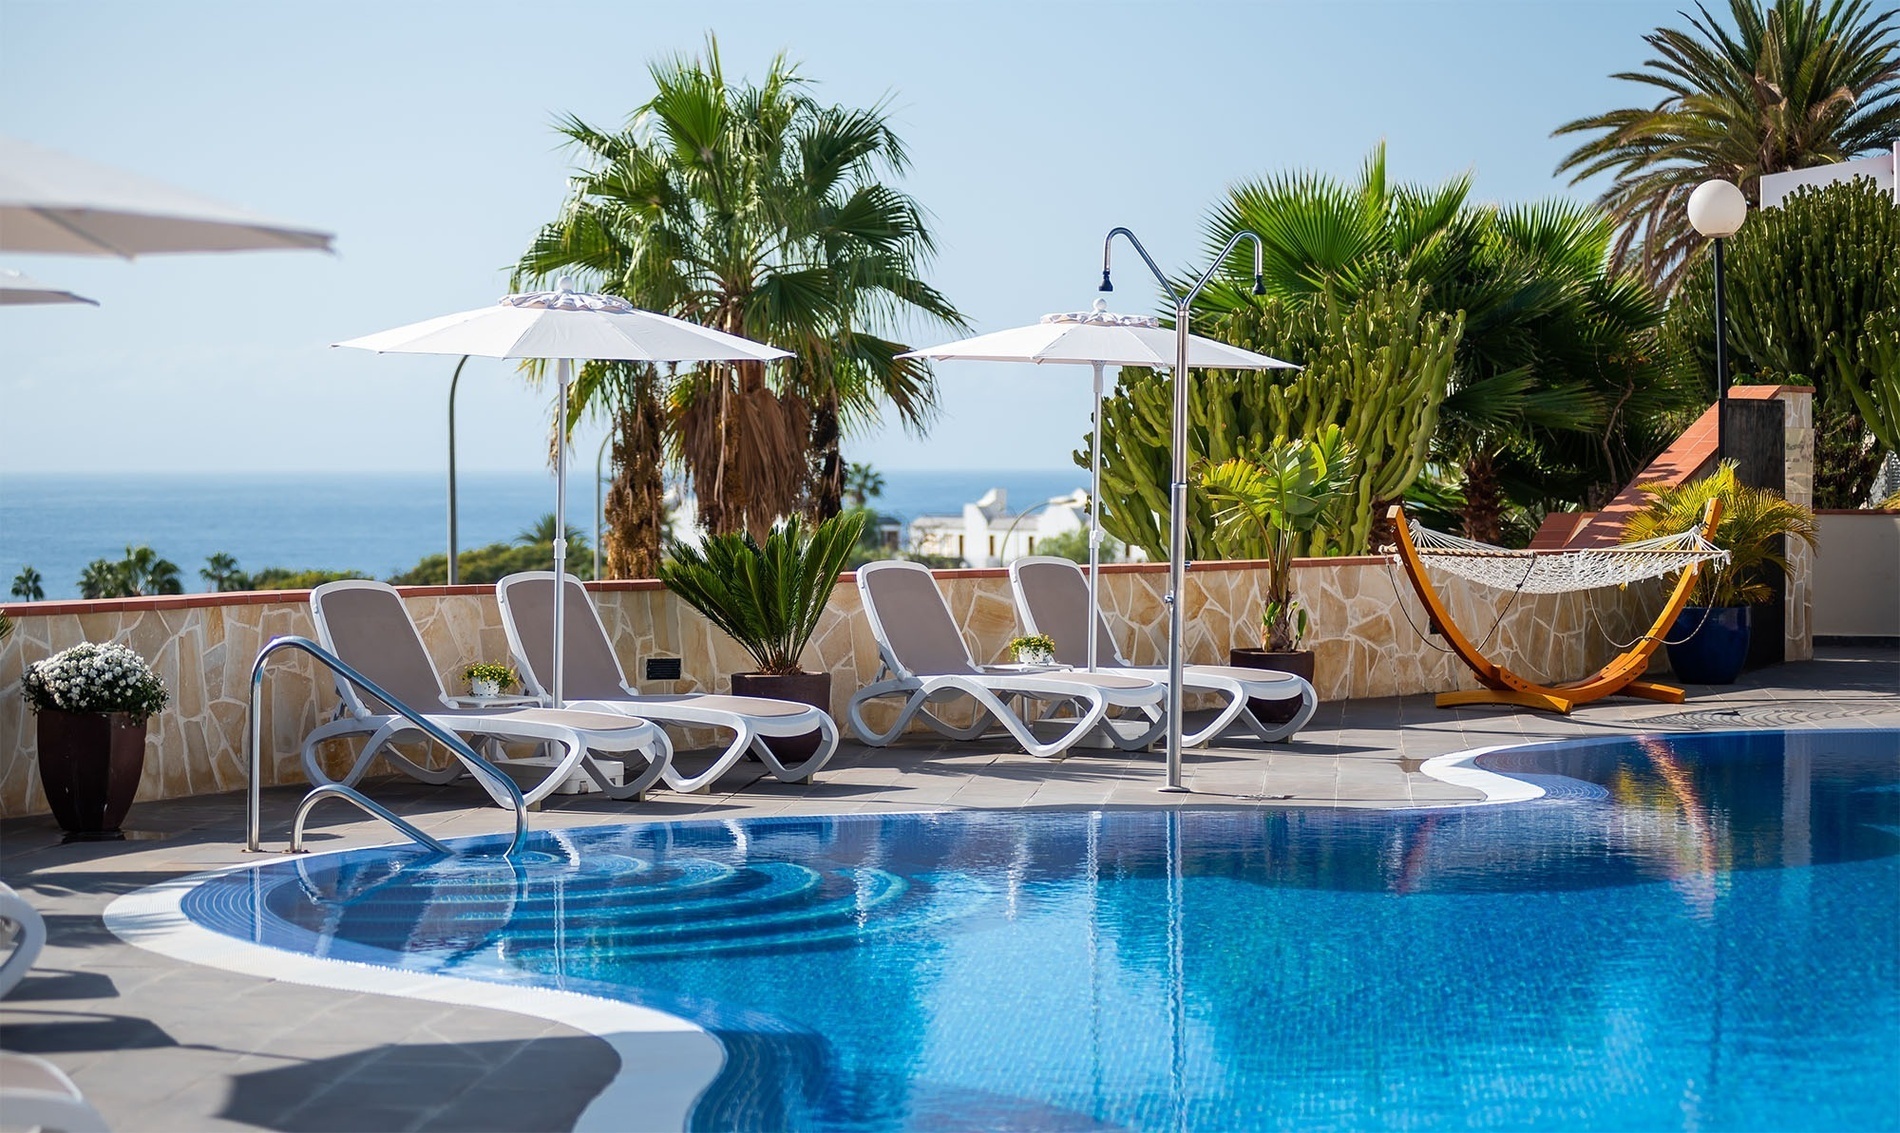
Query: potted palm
1269	503
92	703
1709	642
768	597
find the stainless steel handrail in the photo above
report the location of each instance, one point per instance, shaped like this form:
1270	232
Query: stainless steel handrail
498	784
368	806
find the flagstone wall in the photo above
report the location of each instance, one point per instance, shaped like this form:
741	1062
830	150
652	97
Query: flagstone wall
1363	614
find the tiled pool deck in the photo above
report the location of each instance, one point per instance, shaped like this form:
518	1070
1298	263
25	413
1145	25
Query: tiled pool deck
157	1044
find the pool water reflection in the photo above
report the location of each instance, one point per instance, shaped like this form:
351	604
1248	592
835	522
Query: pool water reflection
1694	932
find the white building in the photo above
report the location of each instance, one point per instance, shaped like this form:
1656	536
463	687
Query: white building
989	534
1775	187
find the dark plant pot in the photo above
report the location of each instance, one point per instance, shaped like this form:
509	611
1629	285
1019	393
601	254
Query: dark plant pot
1709	646
803	688
1299	662
90	763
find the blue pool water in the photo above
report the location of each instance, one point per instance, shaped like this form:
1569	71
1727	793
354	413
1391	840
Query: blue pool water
1694	932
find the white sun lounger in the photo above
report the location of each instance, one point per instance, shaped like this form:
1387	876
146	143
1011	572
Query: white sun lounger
1052	597
927	660
593	680
34	1093
366	624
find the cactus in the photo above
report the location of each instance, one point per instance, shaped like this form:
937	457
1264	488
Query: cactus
1803	282
1376	366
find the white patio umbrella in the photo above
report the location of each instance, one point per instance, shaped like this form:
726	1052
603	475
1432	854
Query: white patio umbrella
1097	338
53	203
561	325
17	289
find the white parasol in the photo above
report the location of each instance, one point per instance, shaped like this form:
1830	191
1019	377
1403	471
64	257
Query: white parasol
565	324
1097	338
17	289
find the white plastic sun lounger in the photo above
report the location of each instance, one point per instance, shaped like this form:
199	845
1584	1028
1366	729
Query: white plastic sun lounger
1052	597
927	660
366	624
34	1093
593	680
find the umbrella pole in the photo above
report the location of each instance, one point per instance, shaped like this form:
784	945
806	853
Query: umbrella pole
1095	521
560	533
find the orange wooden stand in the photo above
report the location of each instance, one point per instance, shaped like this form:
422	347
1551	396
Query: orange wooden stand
1502	686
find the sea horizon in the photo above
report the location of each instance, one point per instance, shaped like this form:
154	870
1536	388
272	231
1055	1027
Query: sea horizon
376	523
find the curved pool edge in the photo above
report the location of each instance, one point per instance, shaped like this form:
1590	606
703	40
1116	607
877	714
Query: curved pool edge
1460	769
666	1062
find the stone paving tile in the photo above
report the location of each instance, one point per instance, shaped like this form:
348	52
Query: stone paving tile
162	1045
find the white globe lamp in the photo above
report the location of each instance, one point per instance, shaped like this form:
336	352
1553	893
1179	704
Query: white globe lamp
1717	209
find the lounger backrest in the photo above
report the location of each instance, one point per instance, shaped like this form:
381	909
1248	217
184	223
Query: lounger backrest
527	614
912	623
366	625
1052	597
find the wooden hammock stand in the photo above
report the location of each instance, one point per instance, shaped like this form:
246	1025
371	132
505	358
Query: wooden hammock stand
1502	686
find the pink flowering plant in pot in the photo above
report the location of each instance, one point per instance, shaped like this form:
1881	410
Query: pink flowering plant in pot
92	702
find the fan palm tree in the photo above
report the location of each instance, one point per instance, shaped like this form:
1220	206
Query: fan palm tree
1794	84
758	211
1546	359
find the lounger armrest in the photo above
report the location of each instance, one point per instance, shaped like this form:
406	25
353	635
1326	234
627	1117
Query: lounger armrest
492	701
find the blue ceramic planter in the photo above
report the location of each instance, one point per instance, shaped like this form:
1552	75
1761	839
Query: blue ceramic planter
1708	646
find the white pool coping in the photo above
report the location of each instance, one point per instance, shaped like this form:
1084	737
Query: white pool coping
666	1062
1460	769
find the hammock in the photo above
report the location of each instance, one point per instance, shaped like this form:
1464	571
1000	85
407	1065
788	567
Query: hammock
1522	572
1529	572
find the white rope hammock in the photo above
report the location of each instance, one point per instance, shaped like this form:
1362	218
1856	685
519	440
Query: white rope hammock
1531	572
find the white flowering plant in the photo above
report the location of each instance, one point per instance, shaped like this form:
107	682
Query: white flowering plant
95	678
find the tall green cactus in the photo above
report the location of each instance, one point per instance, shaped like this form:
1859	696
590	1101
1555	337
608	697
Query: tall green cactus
1376	366
1804	280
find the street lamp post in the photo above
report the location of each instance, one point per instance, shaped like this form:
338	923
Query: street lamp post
453	382
1178	487
1717	210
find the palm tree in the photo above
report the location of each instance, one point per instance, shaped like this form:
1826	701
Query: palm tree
755	210
28	586
221	571
1795	84
146	574
862	484
1546	361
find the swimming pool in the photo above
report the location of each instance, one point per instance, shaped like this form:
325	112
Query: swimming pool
1696	932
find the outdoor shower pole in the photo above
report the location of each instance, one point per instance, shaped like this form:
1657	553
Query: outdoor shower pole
1095	520
1178	487
453	382
561	371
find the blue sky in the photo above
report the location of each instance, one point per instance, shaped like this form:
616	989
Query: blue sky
420	133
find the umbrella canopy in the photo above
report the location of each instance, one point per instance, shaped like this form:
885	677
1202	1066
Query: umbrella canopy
564	324
53	203
1098	338
567	324
17	289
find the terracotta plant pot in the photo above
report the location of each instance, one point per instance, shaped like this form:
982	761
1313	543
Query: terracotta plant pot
90	764
803	688
1299	662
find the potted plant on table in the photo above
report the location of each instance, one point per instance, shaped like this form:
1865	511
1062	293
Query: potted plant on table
489	678
1709	642
768	597
1033	649
1269	502
92	703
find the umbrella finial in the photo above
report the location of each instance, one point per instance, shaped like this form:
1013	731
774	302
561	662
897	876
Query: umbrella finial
1100	306
565	283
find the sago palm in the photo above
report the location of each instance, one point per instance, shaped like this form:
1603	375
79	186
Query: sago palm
1793	84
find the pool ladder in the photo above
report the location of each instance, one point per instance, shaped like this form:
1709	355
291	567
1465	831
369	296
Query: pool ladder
498	784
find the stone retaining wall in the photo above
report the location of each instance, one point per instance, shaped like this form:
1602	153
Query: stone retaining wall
204	646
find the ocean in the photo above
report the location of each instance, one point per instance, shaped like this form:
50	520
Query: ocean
376	523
